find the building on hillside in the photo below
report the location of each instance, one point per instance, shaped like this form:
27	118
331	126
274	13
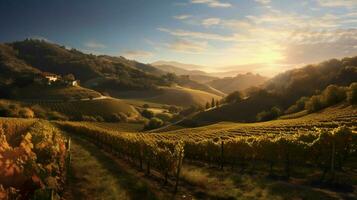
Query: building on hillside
50	77
72	83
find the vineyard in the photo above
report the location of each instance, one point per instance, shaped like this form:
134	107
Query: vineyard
324	142
33	157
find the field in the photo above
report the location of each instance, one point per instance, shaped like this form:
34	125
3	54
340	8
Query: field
54	93
100	107
222	160
178	96
279	159
328	118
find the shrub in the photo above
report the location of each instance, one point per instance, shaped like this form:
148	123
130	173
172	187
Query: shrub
53	115
146	106
333	95
88	118
26	113
118	117
234	97
273	113
314	104
352	94
163	116
99	118
39	111
298	106
174	109
147	113
154	123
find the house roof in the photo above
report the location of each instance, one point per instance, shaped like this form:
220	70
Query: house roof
49	74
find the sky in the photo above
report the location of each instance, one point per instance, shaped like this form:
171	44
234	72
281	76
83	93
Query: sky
260	36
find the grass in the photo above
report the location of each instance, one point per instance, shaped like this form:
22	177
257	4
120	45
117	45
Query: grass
178	96
125	127
181	96
101	107
35	92
211	183
94	175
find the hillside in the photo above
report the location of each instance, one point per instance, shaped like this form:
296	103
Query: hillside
284	89
37	55
237	83
178	96
78	109
305	81
54	93
177	68
329	117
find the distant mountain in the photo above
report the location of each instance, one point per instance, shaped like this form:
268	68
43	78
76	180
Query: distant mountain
172	67
190	67
239	82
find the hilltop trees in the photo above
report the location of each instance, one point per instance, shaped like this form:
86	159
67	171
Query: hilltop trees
213	103
234	97
352	94
273	113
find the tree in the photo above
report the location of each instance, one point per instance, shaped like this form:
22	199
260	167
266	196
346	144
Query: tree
207	105
273	113
333	95
234	97
154	123
217	104
147	113
69	77
213	103
314	104
352	93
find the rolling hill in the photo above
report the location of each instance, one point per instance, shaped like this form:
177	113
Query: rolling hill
283	90
178	96
239	82
75	110
196	75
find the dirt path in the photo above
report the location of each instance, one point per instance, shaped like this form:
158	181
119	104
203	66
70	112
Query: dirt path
94	175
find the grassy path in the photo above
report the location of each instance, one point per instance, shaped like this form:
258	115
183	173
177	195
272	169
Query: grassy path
94	175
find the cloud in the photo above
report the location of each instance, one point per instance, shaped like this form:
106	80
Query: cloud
187	46
315	47
197	35
263	1
182	17
212	3
137	54
94	45
337	3
211	22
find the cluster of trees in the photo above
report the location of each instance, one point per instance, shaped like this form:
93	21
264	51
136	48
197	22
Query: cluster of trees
267	115
214	104
305	81
330	96
13	109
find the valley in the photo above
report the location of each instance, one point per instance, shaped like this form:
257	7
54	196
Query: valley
80	126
